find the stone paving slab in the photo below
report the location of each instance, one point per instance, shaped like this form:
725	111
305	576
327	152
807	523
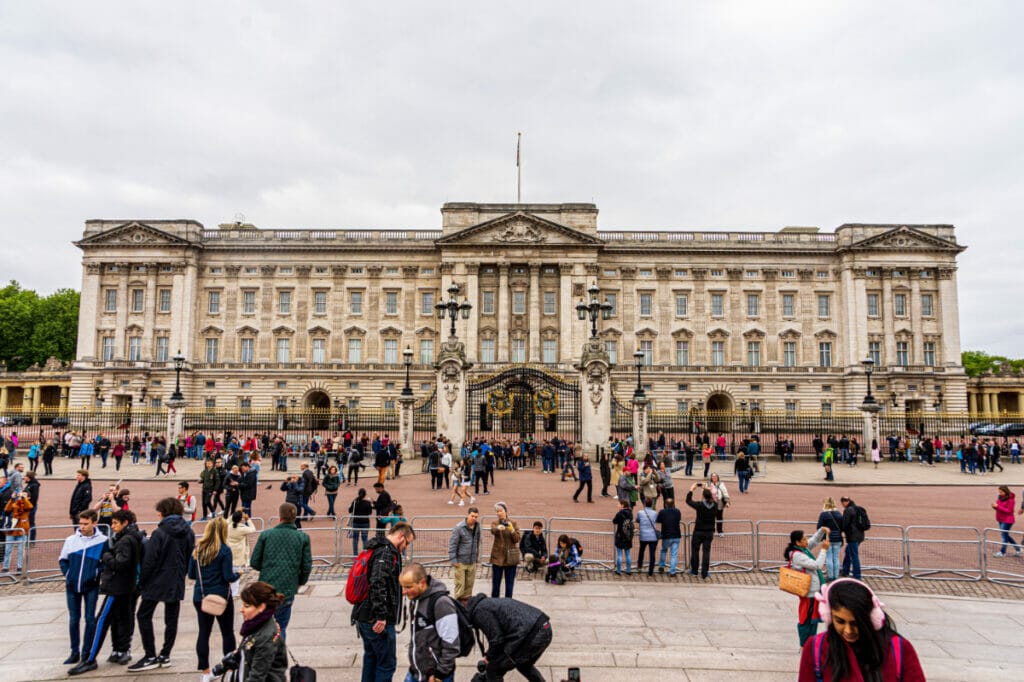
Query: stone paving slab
611	630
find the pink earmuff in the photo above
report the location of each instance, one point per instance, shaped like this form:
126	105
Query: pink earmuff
825	611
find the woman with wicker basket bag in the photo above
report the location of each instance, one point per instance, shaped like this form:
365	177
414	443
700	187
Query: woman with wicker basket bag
798	554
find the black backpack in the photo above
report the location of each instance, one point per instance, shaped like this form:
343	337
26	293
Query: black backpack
861	518
468	636
626	530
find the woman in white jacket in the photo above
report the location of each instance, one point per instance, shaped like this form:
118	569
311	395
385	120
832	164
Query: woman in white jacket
798	554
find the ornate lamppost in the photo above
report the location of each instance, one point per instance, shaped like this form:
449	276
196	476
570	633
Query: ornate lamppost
639	394
452	308
179	364
407	360
870	406
594	309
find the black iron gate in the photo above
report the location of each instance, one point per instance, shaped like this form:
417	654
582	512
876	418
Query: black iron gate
521	402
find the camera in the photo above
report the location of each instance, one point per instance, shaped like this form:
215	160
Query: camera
481	666
229	662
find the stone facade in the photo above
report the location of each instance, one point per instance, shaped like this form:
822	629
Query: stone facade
779	320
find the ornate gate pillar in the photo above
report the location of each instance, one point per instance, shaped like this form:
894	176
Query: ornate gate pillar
175	419
452	366
640	427
406	426
596	399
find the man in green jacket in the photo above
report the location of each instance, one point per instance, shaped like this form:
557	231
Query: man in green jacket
284	559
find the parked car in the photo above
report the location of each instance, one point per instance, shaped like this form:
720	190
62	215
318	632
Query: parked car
1010	430
981	428
59	422
15	421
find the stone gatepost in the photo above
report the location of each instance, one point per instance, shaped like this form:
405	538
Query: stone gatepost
595	396
452	366
640	403
407	426
175	419
870	411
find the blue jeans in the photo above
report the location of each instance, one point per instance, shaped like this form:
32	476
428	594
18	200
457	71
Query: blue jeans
851	559
356	533
623	555
283	615
744	477
832	560
1003	526
499	572
379	658
75	614
672	545
14	542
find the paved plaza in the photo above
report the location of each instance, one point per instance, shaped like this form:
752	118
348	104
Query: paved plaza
737	627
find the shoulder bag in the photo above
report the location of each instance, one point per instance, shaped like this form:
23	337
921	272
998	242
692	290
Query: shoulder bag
794	581
212	604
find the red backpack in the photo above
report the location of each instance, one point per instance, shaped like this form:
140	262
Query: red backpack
357	587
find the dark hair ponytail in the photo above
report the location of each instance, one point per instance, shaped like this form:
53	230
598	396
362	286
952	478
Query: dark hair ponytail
794	537
261	593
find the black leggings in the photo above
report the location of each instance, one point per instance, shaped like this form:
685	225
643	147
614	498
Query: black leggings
226	621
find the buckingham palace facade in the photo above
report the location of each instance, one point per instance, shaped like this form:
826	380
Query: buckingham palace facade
774	320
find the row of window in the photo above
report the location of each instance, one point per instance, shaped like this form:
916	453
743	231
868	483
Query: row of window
789	353
900	306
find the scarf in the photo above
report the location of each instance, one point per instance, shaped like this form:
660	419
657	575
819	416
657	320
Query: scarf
821	577
256	622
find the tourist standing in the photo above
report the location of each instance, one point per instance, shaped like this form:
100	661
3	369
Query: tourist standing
703	530
800	557
1004	506
162	580
80	563
586	476
832	520
81	496
853	535
212	567
504	551
464	553
265	654
623	522
284	559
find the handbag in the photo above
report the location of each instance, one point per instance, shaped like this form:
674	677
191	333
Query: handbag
657	533
299	673
794	581
212	604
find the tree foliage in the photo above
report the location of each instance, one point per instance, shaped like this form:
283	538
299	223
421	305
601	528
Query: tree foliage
977	362
34	327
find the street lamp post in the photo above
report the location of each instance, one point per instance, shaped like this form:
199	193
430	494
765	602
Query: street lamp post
452	308
639	392
179	364
594	309
407	358
869	364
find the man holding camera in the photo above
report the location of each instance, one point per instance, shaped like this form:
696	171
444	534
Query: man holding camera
703	529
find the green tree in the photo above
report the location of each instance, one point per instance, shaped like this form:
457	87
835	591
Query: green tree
977	362
33	328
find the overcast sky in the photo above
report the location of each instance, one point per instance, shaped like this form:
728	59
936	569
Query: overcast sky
713	115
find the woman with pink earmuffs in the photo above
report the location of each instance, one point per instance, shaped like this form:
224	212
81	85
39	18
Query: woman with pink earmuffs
860	644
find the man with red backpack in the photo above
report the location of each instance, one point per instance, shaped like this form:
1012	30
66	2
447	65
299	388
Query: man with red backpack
374	589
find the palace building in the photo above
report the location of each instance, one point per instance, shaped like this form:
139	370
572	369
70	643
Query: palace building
771	320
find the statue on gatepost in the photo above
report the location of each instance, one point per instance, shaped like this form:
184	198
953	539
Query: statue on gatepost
452	367
595	385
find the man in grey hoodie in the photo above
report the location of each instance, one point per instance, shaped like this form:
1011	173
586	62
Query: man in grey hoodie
464	553
434	641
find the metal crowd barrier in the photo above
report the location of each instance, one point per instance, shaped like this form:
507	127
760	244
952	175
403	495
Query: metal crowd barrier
1009	569
883	552
596	536
735	549
430	547
944	552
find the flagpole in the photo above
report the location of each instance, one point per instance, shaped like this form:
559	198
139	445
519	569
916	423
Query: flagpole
519	170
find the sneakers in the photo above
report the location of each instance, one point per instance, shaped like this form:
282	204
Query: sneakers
462	503
472	499
451	501
146	663
83	667
207	677
164	661
1000	554
124	658
114	655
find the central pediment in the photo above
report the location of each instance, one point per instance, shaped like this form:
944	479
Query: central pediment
519	229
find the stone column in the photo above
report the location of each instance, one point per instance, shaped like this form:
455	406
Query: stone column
88	313
63	398
473	323
148	351
640	427
120	342
595	396
917	346
534	303
869	410
566	313
451	391
406	426
1020	403
3	397
888	326
972	403
504	310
